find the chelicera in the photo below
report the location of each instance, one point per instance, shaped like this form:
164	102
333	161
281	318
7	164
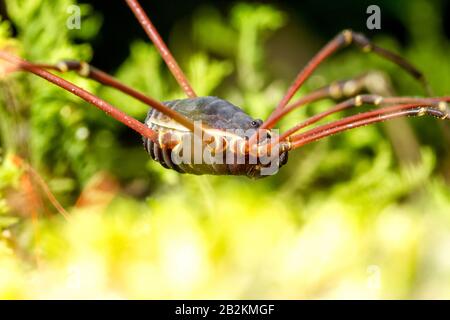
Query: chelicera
238	144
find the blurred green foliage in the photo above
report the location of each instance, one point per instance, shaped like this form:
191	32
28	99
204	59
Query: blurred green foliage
350	216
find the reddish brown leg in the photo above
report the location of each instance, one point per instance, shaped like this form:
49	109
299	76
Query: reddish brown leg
337	90
30	171
153	34
83	94
439	110
96	101
88	71
33	200
51	197
358	101
34	203
342	40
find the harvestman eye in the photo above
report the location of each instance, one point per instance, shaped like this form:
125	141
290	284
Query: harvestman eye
254	123
180	116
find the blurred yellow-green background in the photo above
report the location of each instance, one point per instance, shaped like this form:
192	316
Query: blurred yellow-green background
364	214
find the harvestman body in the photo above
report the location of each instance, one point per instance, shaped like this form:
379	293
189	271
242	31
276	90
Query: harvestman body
224	129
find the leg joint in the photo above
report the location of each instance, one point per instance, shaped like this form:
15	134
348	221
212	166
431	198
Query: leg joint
83	68
348	36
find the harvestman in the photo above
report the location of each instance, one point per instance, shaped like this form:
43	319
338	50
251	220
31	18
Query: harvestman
242	143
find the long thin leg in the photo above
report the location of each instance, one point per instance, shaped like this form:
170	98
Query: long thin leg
45	188
88	71
85	70
83	94
337	90
441	110
99	103
356	124
342	40
153	34
358	101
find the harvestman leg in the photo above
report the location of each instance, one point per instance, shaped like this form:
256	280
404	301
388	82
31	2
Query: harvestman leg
102	77
337	90
153	34
437	109
367	99
20	64
83	94
108	80
342	40
45	188
86	70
